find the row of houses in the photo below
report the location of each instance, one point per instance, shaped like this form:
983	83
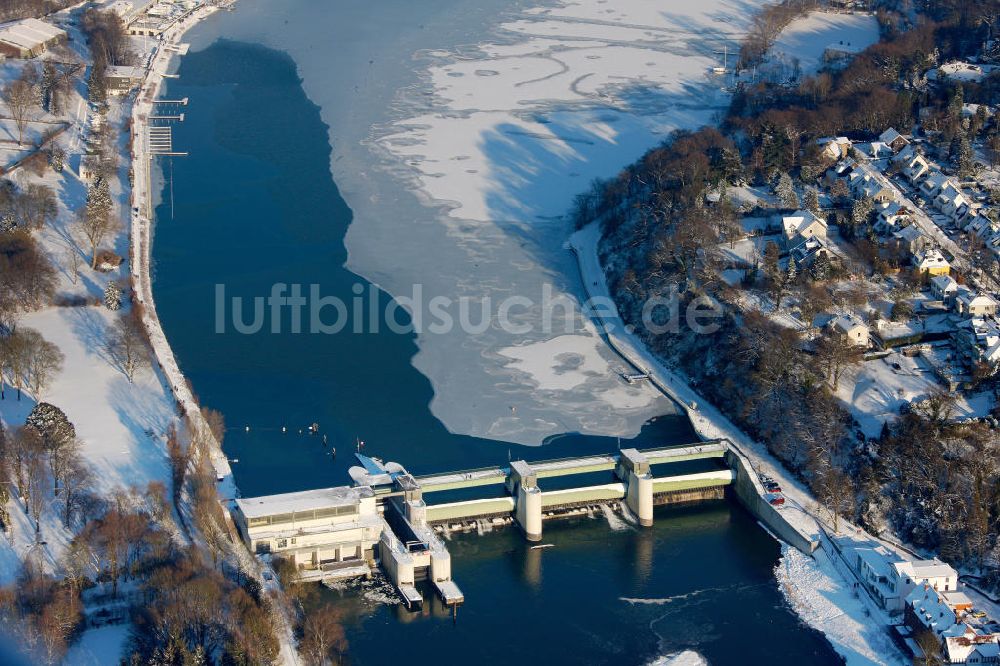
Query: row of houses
966	636
926	593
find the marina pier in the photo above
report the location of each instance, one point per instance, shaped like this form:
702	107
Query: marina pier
393	519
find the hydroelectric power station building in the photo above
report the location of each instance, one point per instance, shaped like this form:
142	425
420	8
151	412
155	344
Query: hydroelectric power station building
385	518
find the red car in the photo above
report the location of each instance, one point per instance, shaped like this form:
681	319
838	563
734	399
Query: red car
777	500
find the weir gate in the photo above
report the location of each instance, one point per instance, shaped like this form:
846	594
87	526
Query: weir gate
390	516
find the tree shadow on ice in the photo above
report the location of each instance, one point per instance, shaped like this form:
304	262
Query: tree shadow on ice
537	171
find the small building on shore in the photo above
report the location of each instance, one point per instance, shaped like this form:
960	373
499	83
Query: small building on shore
122	79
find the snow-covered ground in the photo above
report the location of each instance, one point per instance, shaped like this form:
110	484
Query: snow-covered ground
99	647
807	38
120	425
826	601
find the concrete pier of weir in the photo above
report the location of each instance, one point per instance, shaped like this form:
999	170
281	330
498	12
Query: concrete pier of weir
384	518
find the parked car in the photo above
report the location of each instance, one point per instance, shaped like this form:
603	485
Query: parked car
772	487
777	500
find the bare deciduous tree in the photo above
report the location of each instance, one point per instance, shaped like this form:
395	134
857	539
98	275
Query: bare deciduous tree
20	98
323	639
127	345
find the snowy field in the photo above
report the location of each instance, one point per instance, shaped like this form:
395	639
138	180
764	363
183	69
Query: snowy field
807	38
121	426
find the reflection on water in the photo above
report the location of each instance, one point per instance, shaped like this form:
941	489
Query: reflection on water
699	579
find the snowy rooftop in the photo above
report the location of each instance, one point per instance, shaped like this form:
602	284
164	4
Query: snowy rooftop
926	569
307	500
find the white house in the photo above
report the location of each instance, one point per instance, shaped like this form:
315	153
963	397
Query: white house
913	165
892	216
802	224
972	304
933	183
943	287
935	573
891	580
865	182
978	340
874	150
851	329
951	201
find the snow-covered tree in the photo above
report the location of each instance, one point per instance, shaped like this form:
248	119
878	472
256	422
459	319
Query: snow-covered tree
52	424
57	159
785	189
811	200
8	223
792	271
963	156
113	296
861	210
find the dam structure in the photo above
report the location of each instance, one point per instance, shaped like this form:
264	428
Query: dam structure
394	519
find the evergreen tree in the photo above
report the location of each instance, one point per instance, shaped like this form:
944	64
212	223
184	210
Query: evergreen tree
97	86
792	271
785	190
48	83
113	296
861	210
964	156
811	200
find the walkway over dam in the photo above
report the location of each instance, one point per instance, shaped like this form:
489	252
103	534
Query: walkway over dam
391	516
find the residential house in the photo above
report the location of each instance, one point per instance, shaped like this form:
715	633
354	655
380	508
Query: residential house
951	201
986	231
865	182
894	140
964	639
972	647
834	148
931	262
842	170
978	341
911	239
852	329
972	304
943	287
800	225
912	164
933	572
890	579
933	183
893	216
809	250
874	150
